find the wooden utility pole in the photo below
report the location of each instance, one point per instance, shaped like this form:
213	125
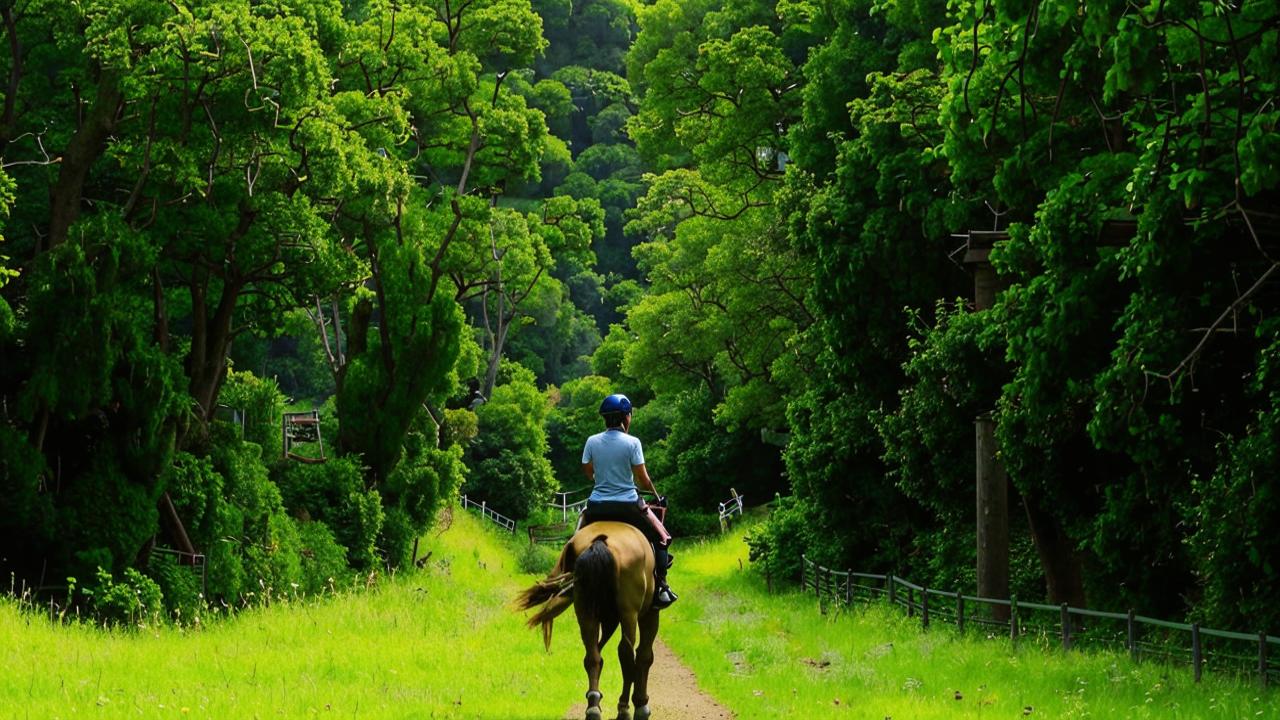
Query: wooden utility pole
992	484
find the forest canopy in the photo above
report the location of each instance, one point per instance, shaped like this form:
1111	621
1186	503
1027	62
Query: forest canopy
278	280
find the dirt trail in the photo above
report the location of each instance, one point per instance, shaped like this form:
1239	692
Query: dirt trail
673	693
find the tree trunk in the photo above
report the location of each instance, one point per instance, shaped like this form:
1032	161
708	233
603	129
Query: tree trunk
1062	572
83	150
495	356
992	517
161	317
210	341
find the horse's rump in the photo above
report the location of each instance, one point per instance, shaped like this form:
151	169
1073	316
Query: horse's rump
629	560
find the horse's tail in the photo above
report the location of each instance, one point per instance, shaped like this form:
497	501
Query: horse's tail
553	593
595	580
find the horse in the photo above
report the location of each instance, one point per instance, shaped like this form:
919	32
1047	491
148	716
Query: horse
606	572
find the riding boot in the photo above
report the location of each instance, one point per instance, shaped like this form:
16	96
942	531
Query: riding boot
663	597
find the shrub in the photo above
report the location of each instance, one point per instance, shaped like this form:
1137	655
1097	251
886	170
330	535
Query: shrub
537	559
180	586
334	493
134	599
779	543
324	560
509	466
262	403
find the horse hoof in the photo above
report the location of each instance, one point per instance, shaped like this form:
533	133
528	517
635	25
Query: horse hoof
624	715
593	713
642	712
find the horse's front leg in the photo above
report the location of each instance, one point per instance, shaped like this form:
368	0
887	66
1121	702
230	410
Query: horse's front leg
627	661
593	663
644	661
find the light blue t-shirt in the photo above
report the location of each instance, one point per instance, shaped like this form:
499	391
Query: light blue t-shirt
613	453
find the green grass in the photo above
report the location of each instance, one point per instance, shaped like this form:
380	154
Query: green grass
776	656
441	642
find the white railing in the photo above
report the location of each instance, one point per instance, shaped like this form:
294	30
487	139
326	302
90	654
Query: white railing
565	507
499	519
729	508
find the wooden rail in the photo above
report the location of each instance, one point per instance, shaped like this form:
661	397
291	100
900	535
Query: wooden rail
1073	627
553	534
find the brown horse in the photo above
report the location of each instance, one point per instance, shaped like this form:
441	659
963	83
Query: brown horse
606	573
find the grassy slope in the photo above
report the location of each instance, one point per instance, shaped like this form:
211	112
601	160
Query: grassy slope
439	643
442	643
760	655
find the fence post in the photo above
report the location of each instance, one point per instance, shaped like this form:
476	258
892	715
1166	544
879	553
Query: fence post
848	586
803	563
959	611
1066	628
817	589
1133	636
911	602
1013	618
888	583
1262	658
1197	654
924	606
817	581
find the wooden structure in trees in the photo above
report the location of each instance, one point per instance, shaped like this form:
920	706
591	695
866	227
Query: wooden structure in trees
1252	240
301	427
185	551
991	481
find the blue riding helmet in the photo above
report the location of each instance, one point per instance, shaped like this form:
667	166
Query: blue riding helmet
616	403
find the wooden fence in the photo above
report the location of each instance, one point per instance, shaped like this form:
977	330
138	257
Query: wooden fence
1143	637
498	519
553	534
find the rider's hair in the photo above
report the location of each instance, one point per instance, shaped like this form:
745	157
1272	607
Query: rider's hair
614	419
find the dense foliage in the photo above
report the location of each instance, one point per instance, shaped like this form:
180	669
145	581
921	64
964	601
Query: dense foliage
455	228
1126	152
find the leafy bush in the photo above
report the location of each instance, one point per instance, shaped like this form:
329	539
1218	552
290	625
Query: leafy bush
134	599
537	559
324	561
691	523
262	405
778	544
234	514
180	586
334	493
509	467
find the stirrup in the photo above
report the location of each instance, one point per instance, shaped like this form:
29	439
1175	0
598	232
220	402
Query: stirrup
663	598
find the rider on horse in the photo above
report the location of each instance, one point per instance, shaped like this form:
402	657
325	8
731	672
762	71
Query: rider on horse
614	462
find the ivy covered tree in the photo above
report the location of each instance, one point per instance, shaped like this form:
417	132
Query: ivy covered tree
192	173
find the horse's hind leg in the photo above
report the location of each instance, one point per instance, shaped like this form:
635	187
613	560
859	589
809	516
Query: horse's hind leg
627	661
644	661
592	663
607	629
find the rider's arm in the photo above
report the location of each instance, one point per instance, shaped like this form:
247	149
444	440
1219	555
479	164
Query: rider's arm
642	478
589	469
